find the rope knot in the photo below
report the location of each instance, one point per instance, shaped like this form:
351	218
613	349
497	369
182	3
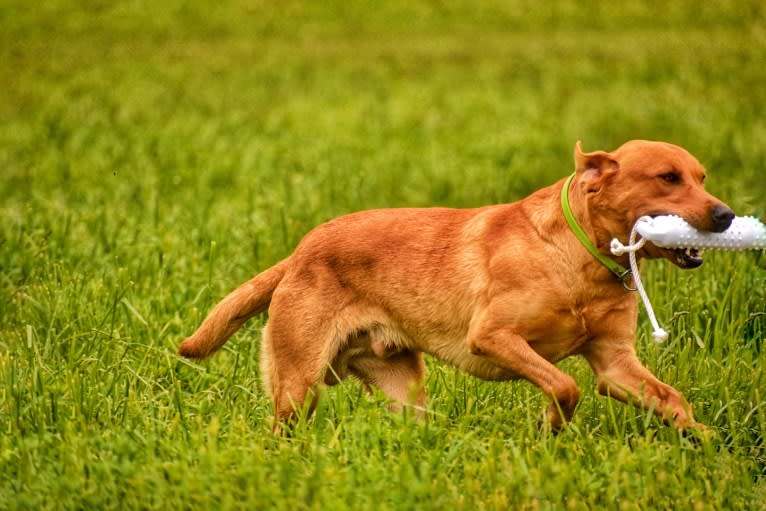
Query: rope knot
619	249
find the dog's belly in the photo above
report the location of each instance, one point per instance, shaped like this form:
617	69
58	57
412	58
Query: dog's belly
454	350
388	339
474	365
379	335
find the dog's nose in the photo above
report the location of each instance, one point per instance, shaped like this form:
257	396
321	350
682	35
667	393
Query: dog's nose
722	217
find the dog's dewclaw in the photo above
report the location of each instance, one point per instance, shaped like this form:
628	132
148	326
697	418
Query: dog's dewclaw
670	231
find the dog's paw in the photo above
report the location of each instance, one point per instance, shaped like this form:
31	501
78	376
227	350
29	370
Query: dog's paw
698	434
551	420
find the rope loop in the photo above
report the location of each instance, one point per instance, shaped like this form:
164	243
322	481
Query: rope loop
633	246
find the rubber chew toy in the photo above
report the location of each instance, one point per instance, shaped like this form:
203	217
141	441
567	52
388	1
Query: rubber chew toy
670	231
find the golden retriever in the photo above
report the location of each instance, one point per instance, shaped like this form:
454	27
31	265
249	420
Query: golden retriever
501	292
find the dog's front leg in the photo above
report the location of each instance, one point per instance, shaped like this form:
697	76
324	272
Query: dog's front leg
511	352
621	375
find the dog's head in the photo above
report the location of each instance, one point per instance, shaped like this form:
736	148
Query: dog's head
649	178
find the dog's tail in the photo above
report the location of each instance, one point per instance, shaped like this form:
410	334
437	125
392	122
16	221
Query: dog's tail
249	299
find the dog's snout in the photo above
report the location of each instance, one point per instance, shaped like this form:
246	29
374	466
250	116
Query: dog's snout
722	217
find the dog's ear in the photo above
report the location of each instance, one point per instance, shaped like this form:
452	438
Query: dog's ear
593	167
600	161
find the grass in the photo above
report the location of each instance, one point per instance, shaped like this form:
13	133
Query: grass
154	155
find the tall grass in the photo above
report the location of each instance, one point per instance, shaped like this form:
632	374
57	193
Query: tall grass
154	155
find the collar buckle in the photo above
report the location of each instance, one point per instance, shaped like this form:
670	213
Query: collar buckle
624	276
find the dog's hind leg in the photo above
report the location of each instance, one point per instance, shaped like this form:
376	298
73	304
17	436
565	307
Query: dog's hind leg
399	377
297	350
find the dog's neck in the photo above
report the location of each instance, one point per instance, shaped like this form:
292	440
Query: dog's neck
593	237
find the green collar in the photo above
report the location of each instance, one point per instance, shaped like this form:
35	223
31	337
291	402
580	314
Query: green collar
617	269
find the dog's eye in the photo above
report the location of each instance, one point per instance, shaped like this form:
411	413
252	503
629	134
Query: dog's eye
670	177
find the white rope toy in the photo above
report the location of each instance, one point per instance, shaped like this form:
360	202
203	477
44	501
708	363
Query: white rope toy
670	231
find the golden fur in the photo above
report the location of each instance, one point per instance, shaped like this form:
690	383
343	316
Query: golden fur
502	292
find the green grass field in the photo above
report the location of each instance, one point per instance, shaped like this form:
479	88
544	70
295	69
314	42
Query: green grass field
153	155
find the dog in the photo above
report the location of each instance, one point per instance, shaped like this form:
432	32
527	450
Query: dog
502	292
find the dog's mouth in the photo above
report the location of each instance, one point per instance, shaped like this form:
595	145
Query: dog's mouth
685	258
